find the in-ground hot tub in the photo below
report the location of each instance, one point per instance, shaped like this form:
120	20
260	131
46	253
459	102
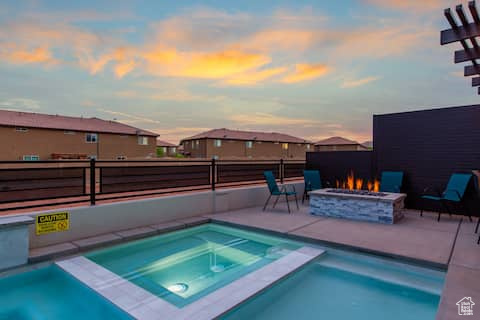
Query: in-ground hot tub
381	207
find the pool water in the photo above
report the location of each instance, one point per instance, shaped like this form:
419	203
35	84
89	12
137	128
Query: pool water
344	286
51	294
184	266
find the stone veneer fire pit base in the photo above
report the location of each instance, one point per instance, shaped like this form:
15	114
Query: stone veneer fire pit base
386	208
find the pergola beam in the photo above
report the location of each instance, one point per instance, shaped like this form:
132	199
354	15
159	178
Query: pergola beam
463	19
461	33
473	11
471	70
467	55
476	82
464	32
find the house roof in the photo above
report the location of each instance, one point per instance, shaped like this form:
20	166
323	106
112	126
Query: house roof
335	141
161	143
247	135
368	144
47	121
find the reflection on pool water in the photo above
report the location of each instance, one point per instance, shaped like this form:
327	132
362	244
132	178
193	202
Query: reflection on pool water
184	266
51	294
344	286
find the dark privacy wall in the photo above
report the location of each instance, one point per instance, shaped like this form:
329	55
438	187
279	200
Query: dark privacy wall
336	165
428	146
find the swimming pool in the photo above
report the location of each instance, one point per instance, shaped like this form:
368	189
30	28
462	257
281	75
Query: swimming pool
341	286
185	272
51	294
183	266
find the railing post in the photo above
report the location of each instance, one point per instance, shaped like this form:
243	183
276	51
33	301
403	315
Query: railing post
92	182
281	173
213	174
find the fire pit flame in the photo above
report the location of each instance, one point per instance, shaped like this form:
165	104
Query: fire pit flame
357	184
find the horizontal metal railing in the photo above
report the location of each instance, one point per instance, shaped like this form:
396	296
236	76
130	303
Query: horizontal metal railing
58	182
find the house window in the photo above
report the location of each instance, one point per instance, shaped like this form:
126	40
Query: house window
308	147
197	144
143	140
285	146
92	156
68	132
215	157
121	158
91	138
249	144
21	129
217	143
174	150
31	158
164	150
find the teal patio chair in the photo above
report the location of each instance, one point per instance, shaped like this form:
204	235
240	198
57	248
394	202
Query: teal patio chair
455	192
312	182
275	191
391	181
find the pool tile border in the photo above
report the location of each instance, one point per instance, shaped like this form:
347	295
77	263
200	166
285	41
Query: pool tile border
142	304
132	299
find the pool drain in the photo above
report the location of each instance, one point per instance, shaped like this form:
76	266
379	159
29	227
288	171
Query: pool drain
178	287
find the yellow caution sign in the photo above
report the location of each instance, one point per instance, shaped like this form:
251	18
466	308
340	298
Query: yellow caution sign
52	222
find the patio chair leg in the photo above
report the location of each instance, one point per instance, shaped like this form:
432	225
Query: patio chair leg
421	213
268	199
276	200
478	241
478	222
469	214
288	205
303	196
438	219
296	201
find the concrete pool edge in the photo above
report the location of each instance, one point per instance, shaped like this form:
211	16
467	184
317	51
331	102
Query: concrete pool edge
337	245
142	304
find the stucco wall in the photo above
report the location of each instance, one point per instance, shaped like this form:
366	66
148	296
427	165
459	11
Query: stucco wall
230	149
43	142
95	220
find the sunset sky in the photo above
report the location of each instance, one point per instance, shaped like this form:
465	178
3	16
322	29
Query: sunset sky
312	69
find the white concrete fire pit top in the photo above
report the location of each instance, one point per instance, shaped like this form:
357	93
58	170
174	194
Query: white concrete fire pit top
360	194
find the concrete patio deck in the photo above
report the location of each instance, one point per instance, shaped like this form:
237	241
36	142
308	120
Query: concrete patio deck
449	244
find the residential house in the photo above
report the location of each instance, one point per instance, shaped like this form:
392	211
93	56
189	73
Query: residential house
339	144
166	149
34	136
235	144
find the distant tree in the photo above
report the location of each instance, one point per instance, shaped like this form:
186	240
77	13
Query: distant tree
160	152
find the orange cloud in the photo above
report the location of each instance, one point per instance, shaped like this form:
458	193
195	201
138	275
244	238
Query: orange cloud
358	82
222	64
305	72
411	5
280	39
205	65
123	68
25	56
266	119
254	77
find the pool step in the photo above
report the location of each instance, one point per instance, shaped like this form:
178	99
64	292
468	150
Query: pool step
143	305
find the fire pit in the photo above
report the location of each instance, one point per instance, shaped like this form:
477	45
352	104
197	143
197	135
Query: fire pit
359	192
381	207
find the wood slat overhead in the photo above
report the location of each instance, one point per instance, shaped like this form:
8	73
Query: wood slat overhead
466	33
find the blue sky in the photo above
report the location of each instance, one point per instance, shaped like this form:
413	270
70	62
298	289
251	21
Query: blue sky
312	69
